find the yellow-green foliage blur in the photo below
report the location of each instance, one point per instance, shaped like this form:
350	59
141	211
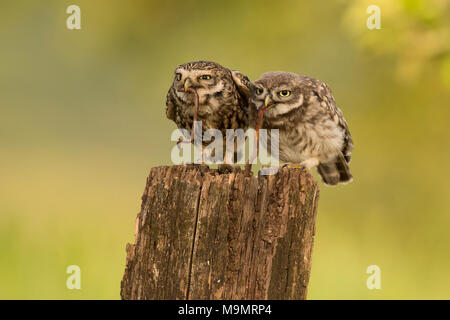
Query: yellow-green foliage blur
82	121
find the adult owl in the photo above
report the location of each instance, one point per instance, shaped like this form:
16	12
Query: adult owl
312	129
222	97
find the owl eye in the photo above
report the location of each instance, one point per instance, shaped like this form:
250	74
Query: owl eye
284	93
205	77
178	76
259	91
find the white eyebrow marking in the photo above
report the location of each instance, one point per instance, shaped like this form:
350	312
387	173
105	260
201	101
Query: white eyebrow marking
282	108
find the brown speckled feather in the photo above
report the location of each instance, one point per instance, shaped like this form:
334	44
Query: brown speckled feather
223	101
312	129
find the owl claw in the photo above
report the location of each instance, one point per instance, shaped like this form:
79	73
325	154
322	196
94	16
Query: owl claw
294	166
248	169
227	168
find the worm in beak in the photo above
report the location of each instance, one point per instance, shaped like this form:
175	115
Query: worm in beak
259	122
188	88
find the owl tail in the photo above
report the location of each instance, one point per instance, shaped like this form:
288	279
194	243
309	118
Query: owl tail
335	172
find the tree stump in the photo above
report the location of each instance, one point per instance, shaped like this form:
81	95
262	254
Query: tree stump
204	234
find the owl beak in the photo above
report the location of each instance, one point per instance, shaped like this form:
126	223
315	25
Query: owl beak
187	84
267	101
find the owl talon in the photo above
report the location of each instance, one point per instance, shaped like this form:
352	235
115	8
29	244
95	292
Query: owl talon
248	169
294	166
227	168
199	166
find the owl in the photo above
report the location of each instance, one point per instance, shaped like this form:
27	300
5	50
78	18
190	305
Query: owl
312	129
207	92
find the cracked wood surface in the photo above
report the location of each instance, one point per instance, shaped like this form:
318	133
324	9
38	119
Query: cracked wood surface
203	234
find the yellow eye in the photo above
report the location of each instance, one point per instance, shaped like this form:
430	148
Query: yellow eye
259	91
205	77
178	76
284	93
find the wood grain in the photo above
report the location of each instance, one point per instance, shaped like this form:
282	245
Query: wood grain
204	234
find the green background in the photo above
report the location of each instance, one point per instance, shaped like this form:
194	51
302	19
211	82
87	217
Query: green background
82	121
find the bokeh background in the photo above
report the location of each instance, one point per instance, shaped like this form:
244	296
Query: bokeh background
82	121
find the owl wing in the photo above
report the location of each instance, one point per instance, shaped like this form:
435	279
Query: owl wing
242	83
170	105
327	101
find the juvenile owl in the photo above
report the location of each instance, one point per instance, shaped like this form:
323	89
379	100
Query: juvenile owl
312	129
222	97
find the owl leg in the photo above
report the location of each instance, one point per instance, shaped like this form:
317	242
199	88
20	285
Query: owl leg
225	167
181	140
307	164
298	166
197	162
248	166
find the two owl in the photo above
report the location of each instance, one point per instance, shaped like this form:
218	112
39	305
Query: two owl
312	129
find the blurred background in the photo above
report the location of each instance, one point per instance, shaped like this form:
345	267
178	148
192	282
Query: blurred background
82	121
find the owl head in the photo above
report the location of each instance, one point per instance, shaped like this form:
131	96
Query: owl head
204	76
278	92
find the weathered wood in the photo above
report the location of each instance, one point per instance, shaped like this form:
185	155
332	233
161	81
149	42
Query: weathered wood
202	234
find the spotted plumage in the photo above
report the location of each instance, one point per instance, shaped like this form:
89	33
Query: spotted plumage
223	97
312	129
